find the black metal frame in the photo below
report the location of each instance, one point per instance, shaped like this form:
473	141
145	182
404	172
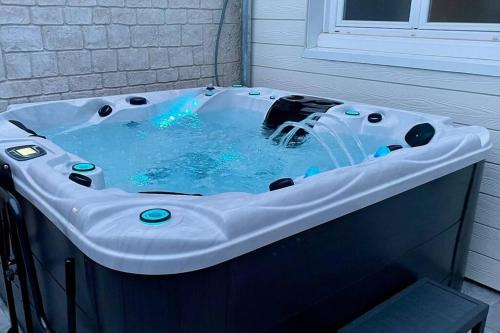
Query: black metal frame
70	275
15	237
8	268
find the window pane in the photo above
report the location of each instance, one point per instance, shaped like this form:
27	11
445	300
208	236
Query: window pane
465	11
378	10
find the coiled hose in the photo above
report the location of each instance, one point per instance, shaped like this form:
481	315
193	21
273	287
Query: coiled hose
217	41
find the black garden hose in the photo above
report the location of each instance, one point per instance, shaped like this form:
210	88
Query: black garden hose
217	41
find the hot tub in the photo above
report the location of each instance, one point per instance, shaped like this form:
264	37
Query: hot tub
163	200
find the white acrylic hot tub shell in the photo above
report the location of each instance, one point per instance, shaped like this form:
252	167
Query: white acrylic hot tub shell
204	231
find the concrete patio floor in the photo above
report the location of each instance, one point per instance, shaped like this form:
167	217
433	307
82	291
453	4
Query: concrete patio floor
490	297
470	288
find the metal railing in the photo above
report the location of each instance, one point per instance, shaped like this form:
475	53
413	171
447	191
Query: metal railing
17	260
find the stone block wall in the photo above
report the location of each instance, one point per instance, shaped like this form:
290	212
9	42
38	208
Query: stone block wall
63	49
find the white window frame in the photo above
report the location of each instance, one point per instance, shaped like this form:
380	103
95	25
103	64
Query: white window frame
457	47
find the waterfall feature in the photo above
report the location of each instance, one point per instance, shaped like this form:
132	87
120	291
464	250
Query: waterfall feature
288	130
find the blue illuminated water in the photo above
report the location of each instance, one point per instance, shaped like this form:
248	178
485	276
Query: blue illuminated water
208	152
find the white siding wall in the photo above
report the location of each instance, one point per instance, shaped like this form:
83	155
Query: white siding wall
278	44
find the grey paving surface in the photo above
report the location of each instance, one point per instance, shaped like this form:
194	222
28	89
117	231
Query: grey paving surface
490	297
470	288
4	318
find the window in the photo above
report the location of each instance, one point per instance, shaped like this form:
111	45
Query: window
480	15
460	11
450	35
367	10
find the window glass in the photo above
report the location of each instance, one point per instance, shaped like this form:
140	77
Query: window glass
378	10
465	11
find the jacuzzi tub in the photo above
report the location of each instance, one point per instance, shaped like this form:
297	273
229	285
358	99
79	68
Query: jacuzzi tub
304	257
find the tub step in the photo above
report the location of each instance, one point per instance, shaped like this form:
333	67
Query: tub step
425	306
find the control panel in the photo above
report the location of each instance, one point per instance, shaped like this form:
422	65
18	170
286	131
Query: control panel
24	153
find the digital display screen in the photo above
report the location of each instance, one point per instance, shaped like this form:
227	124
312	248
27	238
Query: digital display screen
27	151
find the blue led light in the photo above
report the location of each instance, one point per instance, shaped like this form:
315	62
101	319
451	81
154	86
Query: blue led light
155	216
237	85
352	113
312	171
254	93
176	111
272	97
381	152
83	167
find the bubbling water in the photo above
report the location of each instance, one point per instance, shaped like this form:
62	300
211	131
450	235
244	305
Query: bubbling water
210	152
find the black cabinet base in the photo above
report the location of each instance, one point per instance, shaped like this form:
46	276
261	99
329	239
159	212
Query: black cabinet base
315	281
